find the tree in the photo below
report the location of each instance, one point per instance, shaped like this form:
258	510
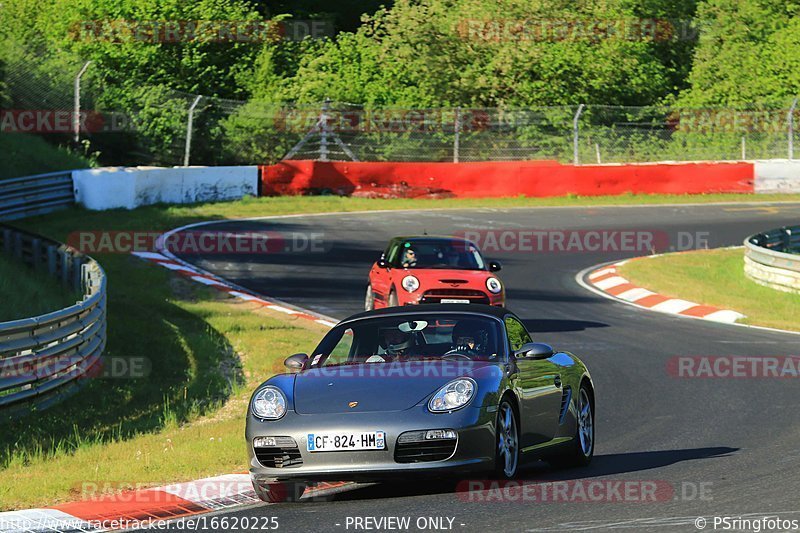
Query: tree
748	53
503	53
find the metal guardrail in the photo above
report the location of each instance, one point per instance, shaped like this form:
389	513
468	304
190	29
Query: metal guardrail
42	356
778	248
35	195
772	258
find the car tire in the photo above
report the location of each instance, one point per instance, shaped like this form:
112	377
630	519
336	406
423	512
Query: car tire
507	441
393	301
279	492
580	450
369	299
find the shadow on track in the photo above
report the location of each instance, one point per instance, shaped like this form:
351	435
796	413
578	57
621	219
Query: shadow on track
603	465
549	325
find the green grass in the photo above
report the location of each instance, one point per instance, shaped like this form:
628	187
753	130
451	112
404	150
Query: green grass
206	356
26	155
25	292
716	277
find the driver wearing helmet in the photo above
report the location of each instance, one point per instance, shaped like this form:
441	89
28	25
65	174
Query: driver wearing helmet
470	337
396	342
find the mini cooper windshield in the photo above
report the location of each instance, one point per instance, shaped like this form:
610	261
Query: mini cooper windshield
441	253
411	338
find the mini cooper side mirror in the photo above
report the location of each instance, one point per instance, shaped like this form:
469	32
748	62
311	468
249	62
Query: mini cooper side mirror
534	350
383	263
296	361
495	266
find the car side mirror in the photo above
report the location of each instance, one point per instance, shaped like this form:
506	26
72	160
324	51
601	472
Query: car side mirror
495	266
383	263
296	361
534	350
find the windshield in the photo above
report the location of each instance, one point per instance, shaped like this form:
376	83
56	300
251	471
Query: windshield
411	338
443	253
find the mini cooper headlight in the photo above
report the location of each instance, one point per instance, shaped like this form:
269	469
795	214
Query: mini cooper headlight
494	285
452	396
269	403
410	283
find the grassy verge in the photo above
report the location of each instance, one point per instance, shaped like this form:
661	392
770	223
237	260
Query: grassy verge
26	155
25	292
184	418
716	277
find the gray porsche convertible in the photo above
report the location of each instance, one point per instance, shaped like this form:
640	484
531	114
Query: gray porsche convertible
415	390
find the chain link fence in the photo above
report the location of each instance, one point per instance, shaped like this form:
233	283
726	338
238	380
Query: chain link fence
159	126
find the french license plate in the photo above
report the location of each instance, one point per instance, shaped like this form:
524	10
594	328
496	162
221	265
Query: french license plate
453	301
346	441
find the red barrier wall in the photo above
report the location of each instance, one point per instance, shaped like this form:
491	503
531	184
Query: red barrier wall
506	178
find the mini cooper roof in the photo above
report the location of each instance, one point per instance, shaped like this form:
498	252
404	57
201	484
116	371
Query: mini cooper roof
472	309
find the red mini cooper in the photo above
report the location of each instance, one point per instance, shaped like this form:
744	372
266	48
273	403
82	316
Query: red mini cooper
419	270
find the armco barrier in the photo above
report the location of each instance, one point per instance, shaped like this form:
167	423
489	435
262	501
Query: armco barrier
42	357
772	258
35	195
507	178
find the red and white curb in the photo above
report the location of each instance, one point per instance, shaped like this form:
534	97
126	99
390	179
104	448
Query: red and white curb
145	508
200	276
607	280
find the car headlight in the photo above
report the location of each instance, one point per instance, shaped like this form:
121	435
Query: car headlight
269	403
410	283
494	285
452	396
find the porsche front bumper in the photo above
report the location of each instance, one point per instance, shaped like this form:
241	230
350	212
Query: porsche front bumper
474	449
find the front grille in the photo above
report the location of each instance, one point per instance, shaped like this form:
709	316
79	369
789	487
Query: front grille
284	454
566	395
421	452
435	295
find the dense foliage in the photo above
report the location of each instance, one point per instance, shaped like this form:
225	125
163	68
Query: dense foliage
410	53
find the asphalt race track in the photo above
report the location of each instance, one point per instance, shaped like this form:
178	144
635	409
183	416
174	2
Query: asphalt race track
735	440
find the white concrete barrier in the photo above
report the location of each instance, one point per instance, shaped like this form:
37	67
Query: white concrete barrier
131	187
777	175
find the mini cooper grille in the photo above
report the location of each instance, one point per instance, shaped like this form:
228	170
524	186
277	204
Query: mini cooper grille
284	454
566	394
434	296
420	452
